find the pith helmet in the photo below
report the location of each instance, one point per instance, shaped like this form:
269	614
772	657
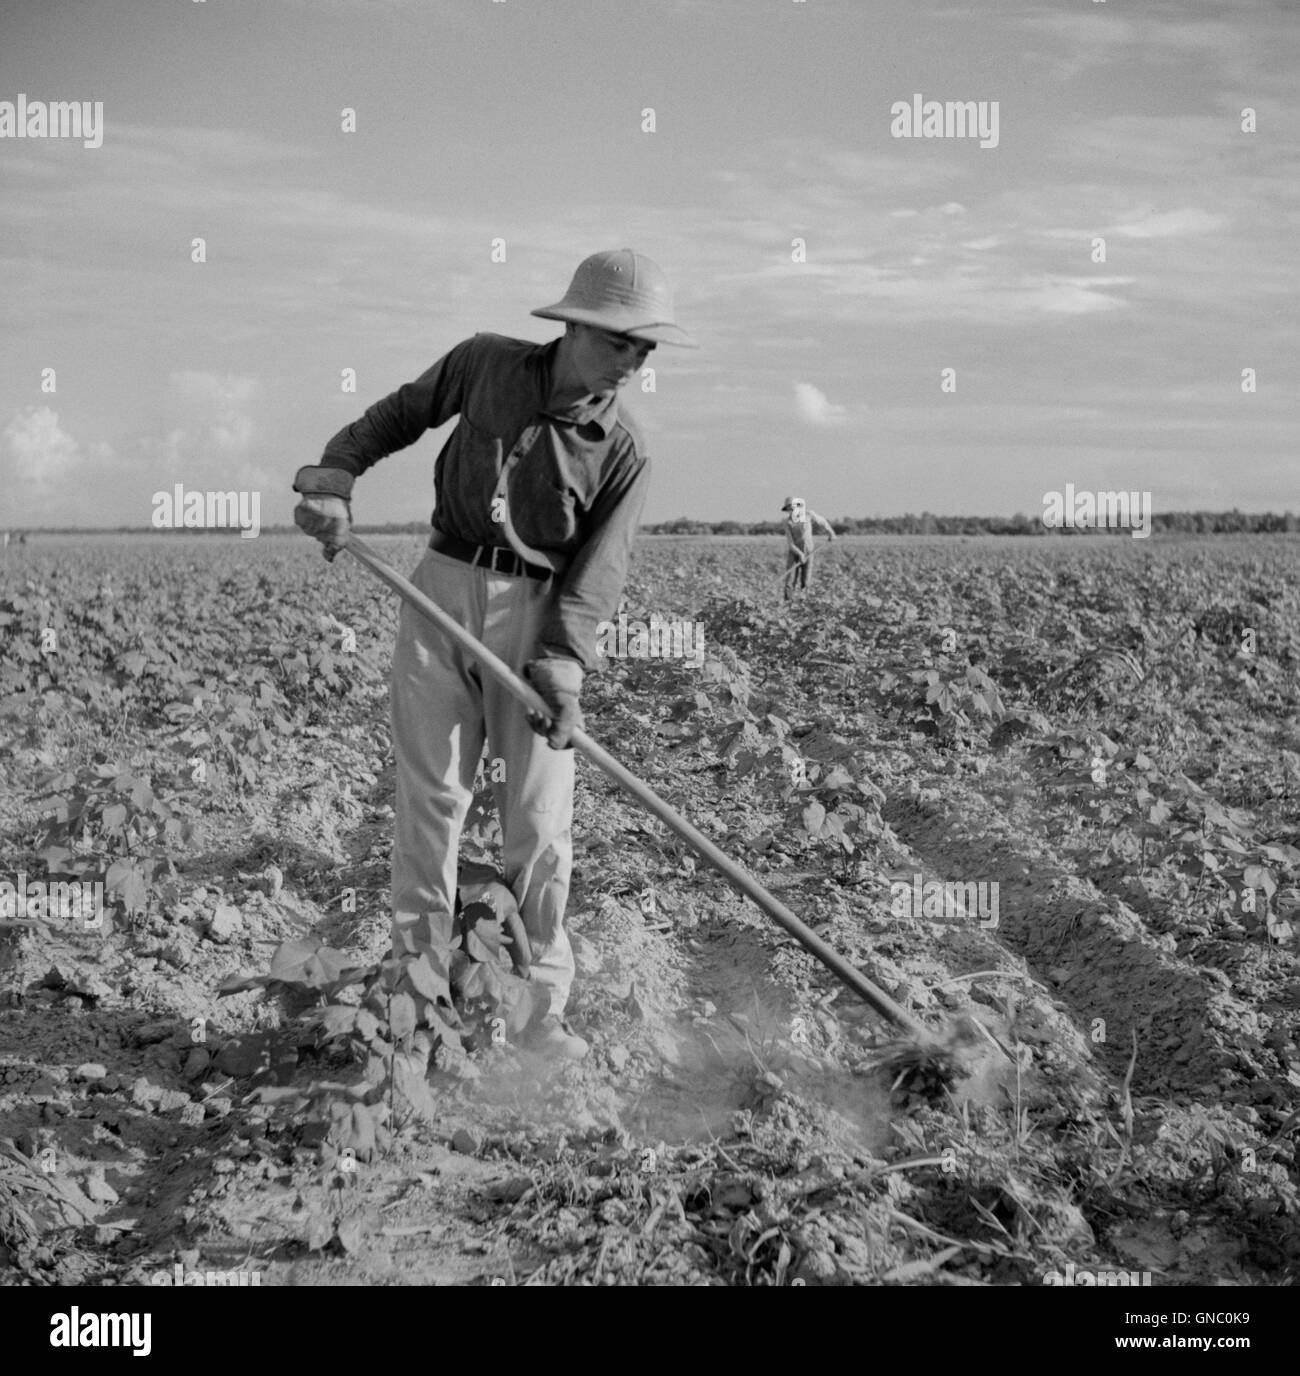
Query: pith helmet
791	502
624	291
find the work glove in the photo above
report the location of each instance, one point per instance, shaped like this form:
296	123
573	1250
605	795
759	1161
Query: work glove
324	511
559	682
328	519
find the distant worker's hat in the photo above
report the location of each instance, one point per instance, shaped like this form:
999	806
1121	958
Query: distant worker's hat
791	502
624	291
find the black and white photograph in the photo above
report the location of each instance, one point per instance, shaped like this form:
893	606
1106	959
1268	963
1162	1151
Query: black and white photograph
650	643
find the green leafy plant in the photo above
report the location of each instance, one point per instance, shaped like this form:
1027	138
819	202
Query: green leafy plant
837	813
452	986
946	706
107	819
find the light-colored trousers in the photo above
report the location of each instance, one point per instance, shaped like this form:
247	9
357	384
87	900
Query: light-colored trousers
797	573
442	706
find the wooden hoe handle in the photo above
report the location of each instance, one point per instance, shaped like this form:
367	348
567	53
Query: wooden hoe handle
738	878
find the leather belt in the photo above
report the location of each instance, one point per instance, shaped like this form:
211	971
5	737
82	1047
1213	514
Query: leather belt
491	557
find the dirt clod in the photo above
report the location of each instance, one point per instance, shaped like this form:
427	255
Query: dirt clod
467	1142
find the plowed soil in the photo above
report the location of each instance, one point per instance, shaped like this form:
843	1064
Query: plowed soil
1084	723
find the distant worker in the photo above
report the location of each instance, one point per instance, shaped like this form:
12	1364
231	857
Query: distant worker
799	543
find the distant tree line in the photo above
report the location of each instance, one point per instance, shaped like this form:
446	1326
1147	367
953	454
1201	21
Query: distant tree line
1179	522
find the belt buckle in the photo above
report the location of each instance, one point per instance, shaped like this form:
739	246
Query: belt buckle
497	551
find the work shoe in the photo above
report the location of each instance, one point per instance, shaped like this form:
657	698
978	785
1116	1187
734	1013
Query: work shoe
554	1038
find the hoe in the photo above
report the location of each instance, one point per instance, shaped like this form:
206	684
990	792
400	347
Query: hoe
923	1060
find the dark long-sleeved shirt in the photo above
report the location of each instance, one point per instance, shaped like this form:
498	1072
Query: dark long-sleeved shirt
575	492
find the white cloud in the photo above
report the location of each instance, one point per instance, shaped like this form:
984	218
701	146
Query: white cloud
46	474
38	451
228	387
815	407
181	146
232	433
1145	224
217	402
1055	295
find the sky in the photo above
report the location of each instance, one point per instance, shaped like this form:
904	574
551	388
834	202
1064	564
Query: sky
831	268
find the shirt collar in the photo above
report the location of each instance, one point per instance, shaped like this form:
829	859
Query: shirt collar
600	410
